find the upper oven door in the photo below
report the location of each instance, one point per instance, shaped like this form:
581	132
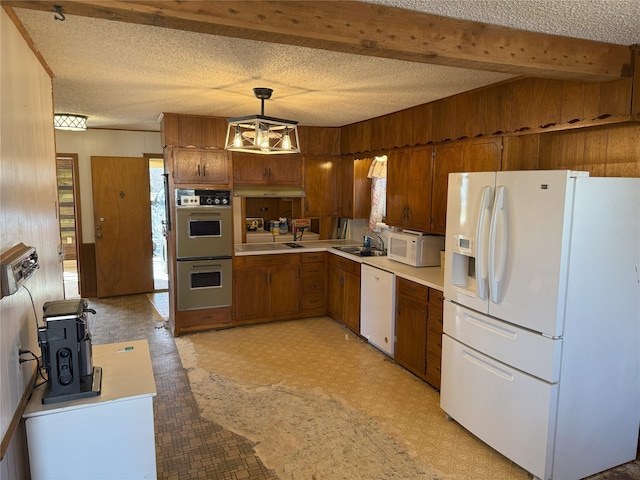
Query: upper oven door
203	232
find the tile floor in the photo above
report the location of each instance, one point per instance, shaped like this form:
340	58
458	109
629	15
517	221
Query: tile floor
192	443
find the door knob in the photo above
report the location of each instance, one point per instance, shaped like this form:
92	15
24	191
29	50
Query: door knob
99	227
99	235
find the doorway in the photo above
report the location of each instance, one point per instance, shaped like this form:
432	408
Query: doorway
157	190
69	219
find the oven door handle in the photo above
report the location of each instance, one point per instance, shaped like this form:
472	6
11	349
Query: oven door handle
206	267
204	214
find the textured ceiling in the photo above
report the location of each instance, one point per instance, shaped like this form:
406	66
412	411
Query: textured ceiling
124	75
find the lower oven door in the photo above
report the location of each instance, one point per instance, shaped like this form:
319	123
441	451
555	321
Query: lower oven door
203	283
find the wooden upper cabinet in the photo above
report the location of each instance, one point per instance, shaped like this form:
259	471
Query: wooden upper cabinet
355	188
479	155
610	99
255	169
197	165
321	186
409	173
536	103
193	131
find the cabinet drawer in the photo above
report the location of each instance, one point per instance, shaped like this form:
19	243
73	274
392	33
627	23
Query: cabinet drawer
313	269
313	257
434	344
435	298
313	302
412	289
266	260
344	264
313	285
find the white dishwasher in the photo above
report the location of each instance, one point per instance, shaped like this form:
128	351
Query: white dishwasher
377	307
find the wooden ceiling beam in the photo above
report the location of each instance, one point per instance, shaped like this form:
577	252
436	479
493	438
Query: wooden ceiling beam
370	29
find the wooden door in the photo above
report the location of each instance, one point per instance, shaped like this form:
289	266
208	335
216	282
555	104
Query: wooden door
122	222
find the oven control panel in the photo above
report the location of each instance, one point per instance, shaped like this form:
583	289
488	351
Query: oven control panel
203	197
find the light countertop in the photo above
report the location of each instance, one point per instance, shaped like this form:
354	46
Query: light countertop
126	374
432	277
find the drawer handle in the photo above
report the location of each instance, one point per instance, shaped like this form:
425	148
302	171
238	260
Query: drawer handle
498	372
504	332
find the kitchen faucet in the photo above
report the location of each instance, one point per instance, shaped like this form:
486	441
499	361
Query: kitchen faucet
369	237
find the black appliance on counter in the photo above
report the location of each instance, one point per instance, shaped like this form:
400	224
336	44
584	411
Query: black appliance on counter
65	342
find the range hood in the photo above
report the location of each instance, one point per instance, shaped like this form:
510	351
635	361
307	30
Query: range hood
268	191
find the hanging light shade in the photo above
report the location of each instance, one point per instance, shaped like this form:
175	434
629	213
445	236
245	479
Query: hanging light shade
69	121
261	134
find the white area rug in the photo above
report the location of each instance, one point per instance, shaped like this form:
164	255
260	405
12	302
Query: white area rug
301	434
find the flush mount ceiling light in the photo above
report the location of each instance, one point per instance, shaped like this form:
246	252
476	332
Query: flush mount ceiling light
260	134
69	121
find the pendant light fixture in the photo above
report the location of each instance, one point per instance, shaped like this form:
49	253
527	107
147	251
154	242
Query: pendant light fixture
260	134
70	121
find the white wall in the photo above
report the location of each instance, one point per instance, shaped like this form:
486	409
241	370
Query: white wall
28	214
114	143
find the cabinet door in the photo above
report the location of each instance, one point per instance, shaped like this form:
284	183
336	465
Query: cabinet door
215	166
418	188
249	169
346	176
250	293
186	165
398	164
194	165
284	170
284	288
411	334
321	186
351	302
448	158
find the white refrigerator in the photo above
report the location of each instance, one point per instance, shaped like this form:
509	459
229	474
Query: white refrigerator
541	343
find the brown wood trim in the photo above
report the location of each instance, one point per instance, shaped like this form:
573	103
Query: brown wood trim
87	270
16	21
17	415
635	88
371	29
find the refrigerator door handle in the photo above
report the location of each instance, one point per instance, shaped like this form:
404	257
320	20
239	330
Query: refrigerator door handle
497	266
484	216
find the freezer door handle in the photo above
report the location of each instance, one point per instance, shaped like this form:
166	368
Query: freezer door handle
495	329
497	371
482	228
499	225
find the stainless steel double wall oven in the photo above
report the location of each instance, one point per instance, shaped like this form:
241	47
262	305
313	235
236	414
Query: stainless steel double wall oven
203	248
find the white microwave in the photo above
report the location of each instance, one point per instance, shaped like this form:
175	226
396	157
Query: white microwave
415	249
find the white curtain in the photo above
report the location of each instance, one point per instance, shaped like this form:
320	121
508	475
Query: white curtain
378	175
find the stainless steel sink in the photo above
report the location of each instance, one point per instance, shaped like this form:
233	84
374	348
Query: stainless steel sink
361	251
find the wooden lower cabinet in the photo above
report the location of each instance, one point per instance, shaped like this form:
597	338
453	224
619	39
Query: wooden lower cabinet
266	287
418	345
344	291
